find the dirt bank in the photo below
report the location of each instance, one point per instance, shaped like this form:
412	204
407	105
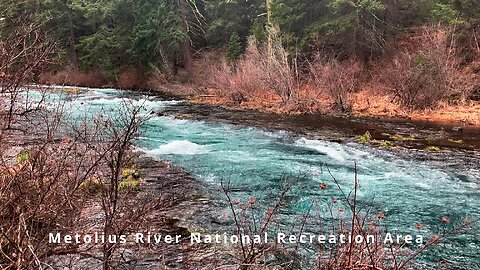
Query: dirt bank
365	104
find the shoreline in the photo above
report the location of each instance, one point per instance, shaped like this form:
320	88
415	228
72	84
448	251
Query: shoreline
180	198
326	125
461	115
376	107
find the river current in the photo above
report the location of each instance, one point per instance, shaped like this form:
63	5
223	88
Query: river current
406	189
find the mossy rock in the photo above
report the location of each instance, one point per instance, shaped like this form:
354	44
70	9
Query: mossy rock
22	157
92	185
456	141
386	144
129	184
399	137
432	149
137	175
195	230
365	138
200	198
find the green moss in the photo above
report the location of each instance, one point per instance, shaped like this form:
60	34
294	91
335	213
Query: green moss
127	172
432	149
131	180
386	144
399	137
455	141
92	185
365	138
22	157
129	184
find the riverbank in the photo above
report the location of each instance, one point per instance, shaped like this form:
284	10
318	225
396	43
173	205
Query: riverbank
387	128
184	207
175	203
385	132
365	104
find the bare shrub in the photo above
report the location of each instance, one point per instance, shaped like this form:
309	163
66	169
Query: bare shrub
250	221
38	189
420	80
342	216
467	43
122	212
131	78
23	56
92	78
259	71
242	82
54	172
338	79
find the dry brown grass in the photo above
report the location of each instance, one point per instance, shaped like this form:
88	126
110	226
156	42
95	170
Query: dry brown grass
369	103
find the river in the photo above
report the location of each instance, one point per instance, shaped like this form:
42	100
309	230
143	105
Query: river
409	185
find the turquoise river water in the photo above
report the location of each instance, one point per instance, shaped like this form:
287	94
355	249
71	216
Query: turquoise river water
407	190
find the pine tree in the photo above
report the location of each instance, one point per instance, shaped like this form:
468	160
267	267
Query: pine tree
234	48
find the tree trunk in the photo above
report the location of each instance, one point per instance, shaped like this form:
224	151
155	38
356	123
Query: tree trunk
72	52
185	53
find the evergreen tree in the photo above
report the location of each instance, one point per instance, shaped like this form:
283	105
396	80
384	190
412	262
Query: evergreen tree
226	17
456	12
234	48
113	34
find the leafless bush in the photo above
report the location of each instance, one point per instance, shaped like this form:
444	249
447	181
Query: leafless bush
23	55
250	221
328	217
37	191
243	82
259	71
467	43
52	169
338	79
131	78
420	80
121	212
93	78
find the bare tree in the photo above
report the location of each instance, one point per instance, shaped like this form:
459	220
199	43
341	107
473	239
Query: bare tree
260	73
338	79
279	74
421	79
23	55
